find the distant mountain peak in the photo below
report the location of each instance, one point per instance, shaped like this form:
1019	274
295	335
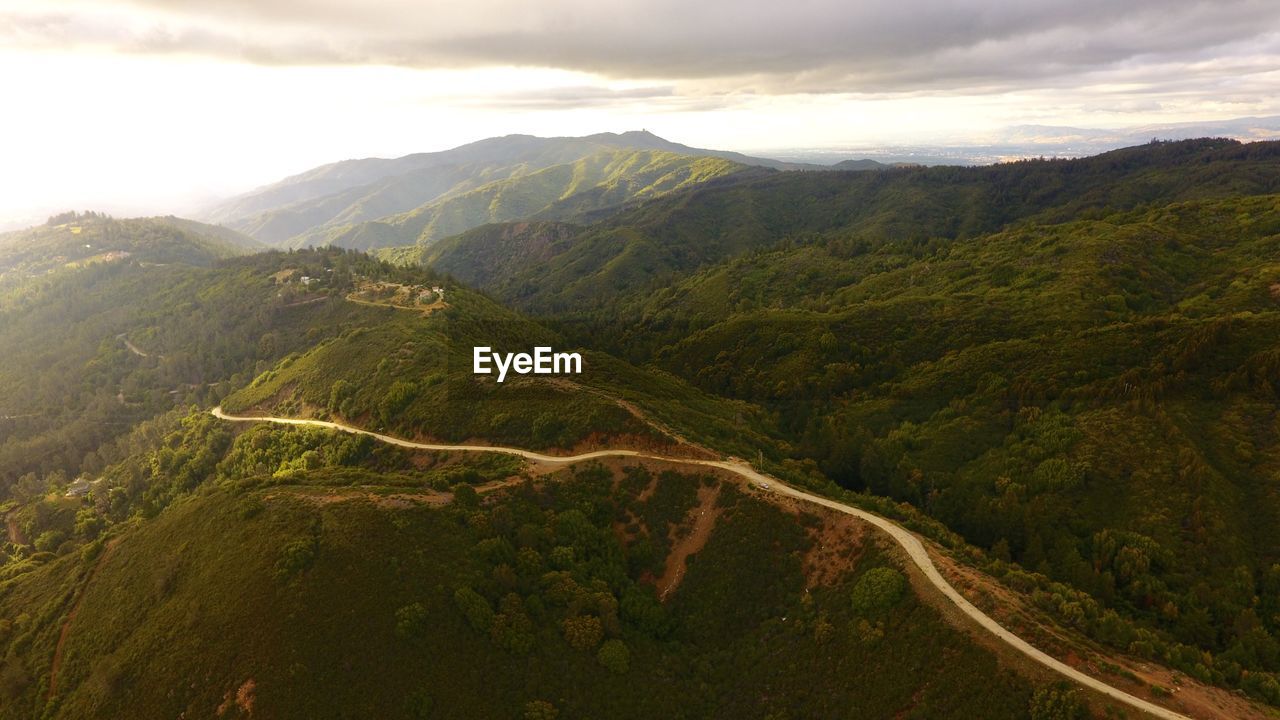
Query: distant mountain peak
352	192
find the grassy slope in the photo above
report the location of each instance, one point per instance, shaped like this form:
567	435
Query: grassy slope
603	180
412	374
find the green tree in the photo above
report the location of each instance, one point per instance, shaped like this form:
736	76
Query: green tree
1056	702
398	397
877	591
50	540
474	607
411	620
583	632
340	393
615	656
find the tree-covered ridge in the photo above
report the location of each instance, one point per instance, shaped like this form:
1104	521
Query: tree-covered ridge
657	243
548	586
90	351
74	240
358	191
598	183
411	374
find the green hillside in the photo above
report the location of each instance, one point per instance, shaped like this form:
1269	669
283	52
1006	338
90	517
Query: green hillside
350	591
647	248
1071	363
570	191
351	192
411	374
73	240
1062	374
95	348
92	349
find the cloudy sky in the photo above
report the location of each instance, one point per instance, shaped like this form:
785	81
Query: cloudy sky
152	106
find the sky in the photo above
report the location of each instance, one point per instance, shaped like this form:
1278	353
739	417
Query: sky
158	106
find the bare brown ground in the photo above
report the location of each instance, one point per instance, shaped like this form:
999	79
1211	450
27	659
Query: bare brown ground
71	616
393	501
15	532
242	698
700	521
837	546
401	300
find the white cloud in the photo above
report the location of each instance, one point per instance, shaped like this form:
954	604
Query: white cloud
148	106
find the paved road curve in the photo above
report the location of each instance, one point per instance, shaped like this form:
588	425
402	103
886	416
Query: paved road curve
909	542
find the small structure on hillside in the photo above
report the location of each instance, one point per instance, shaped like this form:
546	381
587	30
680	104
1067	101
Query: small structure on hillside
79	487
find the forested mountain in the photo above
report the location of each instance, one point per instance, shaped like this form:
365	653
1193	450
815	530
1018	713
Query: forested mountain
1063	375
75	240
94	348
516	603
389	556
1072	363
575	191
355	191
645	248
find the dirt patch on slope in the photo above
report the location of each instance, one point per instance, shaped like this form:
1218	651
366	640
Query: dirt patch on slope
837	545
15	532
242	699
393	501
689	538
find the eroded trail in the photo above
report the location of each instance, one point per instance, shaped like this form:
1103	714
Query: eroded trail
71	618
910	543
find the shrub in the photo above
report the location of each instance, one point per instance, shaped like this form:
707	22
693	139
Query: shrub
1056	702
475	608
411	620
296	557
540	710
878	590
50	540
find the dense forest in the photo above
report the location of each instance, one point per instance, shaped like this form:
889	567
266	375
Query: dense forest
1070	363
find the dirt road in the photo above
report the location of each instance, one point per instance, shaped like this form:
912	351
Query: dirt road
132	348
909	542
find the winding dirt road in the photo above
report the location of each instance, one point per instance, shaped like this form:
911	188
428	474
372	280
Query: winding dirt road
909	542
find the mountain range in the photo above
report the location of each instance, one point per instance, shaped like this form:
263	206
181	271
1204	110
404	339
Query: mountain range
1058	376
521	174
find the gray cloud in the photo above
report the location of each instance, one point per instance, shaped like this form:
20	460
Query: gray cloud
729	45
